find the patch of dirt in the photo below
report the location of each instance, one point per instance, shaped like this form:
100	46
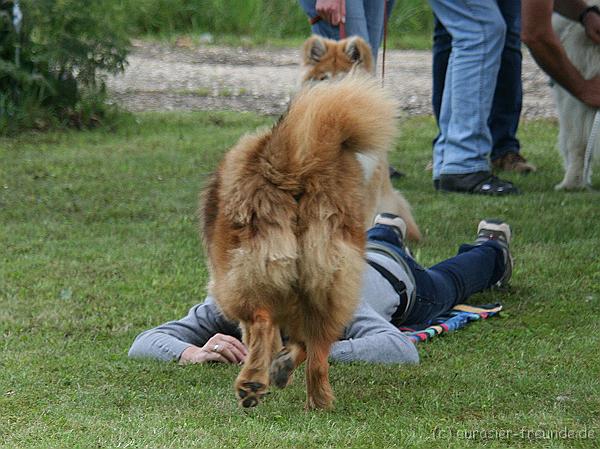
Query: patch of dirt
160	77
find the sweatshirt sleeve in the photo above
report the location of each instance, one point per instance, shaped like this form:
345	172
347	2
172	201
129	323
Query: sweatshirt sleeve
370	338
167	341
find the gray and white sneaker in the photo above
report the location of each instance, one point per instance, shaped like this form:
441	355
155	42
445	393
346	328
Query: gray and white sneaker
397	224
394	221
500	232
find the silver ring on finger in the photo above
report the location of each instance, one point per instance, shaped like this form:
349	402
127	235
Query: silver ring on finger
216	348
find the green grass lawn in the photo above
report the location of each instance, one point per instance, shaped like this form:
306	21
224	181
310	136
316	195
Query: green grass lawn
98	242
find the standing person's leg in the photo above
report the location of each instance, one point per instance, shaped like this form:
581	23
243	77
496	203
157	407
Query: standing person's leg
508	98
375	13
475	268
478	33
442	45
356	22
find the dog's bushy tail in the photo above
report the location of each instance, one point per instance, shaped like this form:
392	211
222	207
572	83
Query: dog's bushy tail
353	114
258	185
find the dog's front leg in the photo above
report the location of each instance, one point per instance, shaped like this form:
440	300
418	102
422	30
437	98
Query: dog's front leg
259	336
285	362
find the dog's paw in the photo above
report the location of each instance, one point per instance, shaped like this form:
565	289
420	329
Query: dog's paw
281	370
570	186
250	393
319	402
559	187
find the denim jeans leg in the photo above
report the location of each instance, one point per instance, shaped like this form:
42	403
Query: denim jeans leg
478	33
384	233
442	45
374	15
508	98
442	286
474	269
364	18
451	282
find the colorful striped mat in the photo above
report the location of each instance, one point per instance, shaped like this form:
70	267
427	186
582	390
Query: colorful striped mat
456	318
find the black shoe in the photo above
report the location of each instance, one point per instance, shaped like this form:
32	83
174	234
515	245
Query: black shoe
481	182
436	184
500	232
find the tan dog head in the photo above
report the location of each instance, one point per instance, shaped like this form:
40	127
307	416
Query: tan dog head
329	59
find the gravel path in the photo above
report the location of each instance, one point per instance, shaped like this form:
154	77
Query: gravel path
164	78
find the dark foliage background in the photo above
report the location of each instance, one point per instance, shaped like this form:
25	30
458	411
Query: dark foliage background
51	70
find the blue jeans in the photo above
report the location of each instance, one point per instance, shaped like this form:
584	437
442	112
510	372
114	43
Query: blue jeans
364	18
478	34
508	97
451	282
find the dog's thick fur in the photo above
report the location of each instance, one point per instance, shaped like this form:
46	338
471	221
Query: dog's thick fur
284	228
326	59
576	118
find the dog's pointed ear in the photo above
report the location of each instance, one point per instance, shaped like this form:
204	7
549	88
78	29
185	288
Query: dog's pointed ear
314	49
359	52
354	50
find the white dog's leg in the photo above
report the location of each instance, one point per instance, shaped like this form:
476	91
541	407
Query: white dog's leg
574	169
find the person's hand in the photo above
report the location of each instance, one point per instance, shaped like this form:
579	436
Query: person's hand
219	348
591	92
591	22
331	11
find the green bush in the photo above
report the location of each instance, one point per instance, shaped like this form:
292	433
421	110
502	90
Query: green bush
52	70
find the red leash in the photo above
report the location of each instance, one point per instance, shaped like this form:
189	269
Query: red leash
385	21
343	23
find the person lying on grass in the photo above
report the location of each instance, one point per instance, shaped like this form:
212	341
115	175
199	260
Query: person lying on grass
396	291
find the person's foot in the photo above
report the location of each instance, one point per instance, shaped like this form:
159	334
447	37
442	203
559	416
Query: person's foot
396	223
500	232
481	182
513	162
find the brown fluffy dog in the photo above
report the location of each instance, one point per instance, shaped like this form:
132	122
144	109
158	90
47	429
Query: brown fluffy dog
326	59
284	228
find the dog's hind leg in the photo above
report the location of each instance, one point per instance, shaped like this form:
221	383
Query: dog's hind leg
572	143
319	392
259	336
285	362
574	169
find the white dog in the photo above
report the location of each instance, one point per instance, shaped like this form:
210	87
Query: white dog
576	119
